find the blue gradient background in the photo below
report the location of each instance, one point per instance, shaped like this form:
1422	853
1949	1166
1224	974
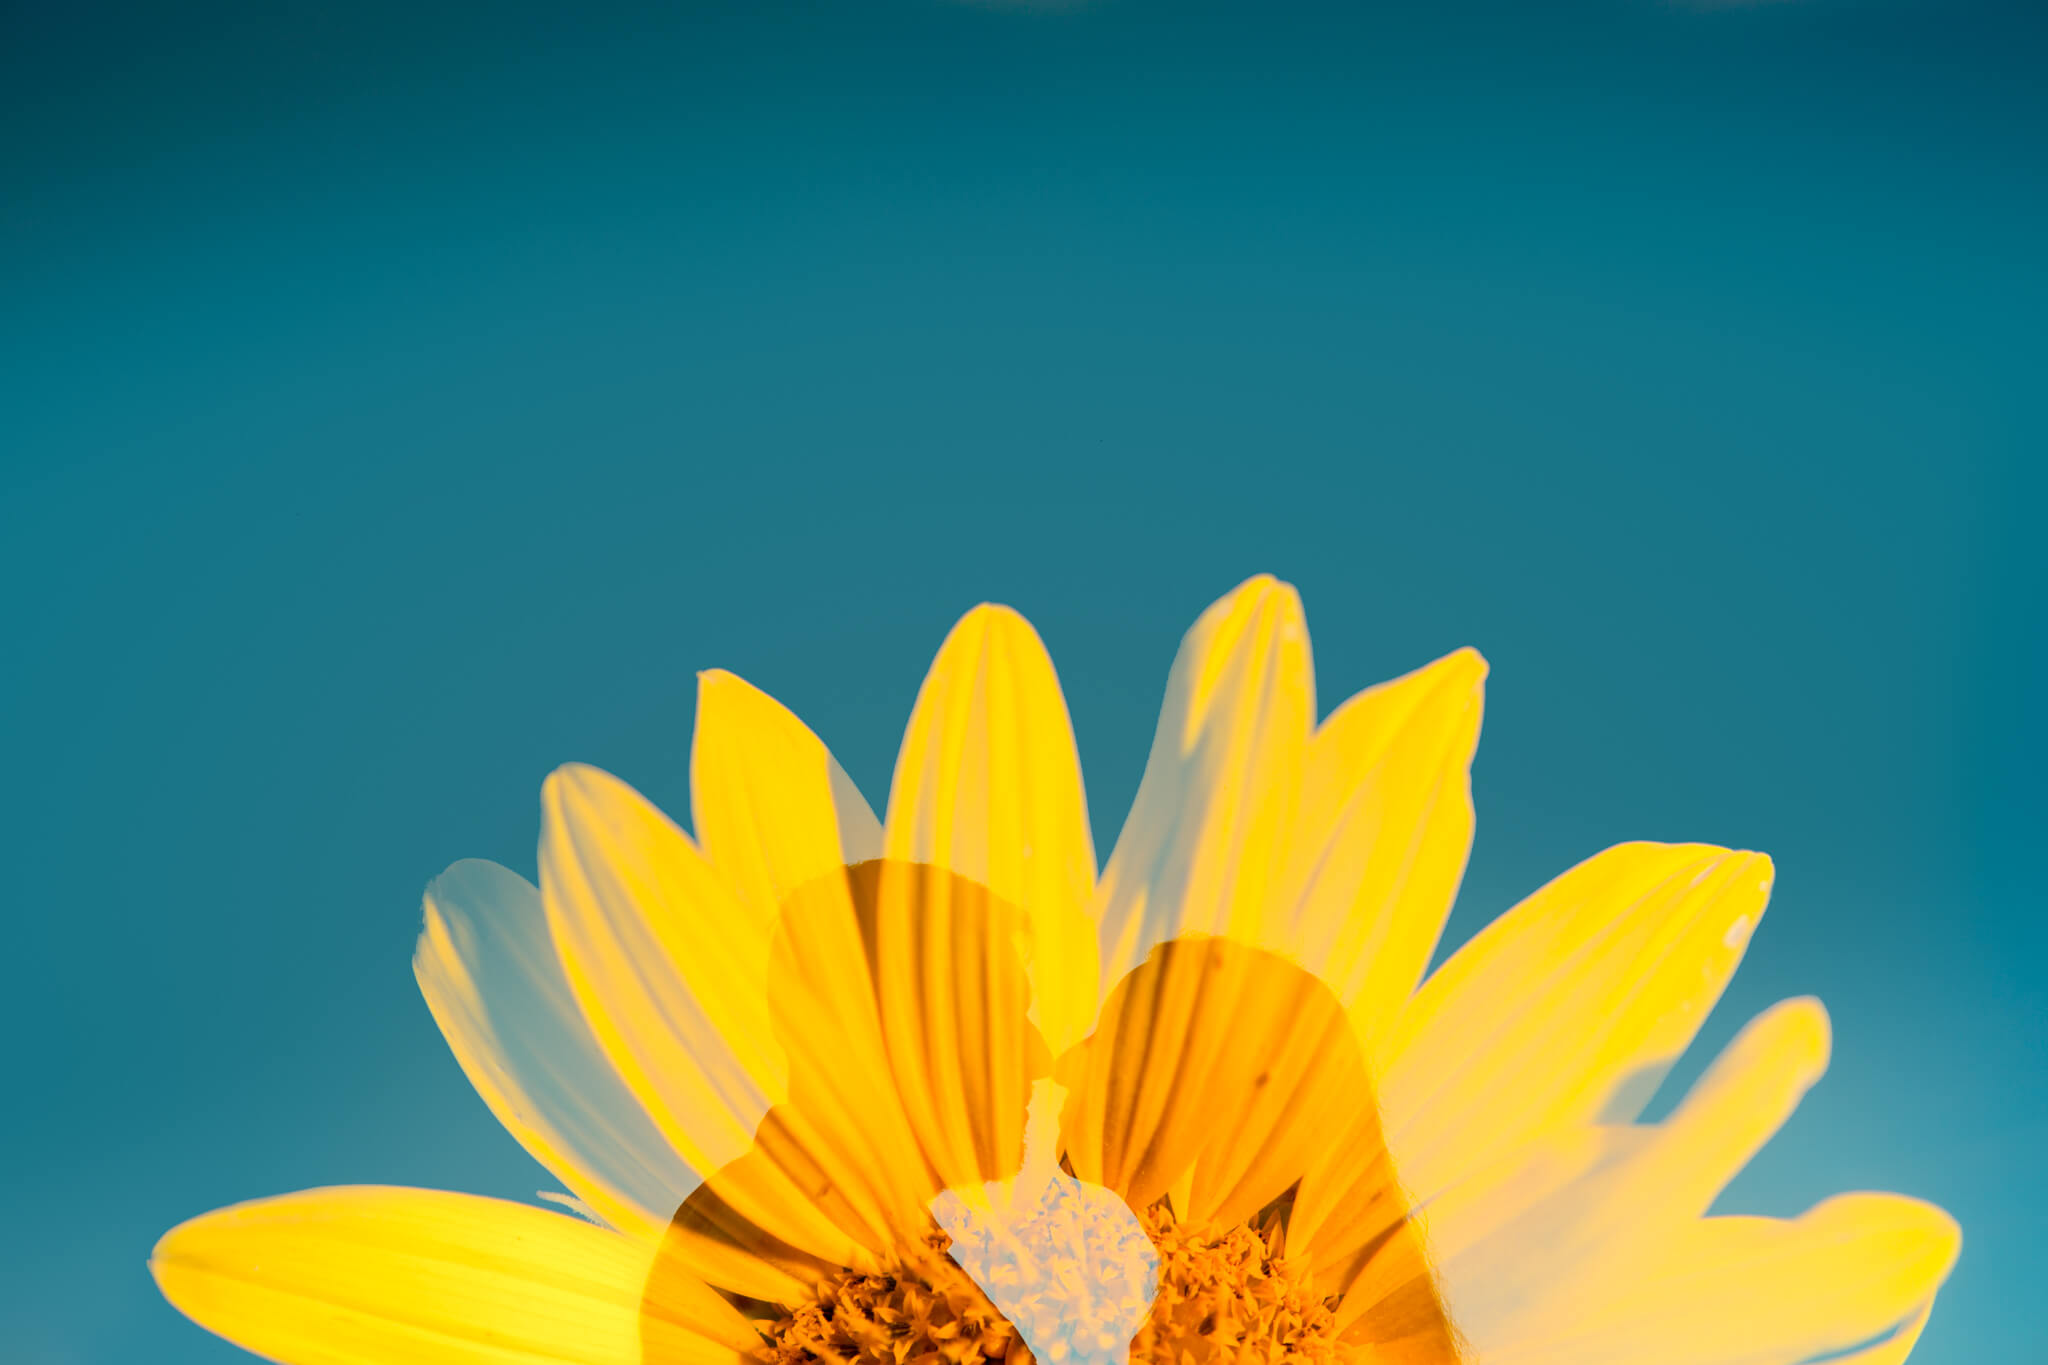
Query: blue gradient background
403	400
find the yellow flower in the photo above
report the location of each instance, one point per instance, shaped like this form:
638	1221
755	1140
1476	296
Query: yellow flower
1276	1140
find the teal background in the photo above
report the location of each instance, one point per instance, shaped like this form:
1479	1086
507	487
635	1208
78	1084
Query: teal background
403	400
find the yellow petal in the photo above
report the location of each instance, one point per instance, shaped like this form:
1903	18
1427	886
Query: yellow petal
1567	1009
772	809
1893	1348
781	820
671	970
951	985
1201	849
900	994
1267	1078
1580	1210
1754	1291
489	972
377	1276
1265	1073
988	786
1384	829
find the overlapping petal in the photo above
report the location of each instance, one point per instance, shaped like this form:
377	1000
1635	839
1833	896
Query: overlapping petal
1893	1347
1568	1009
371	1275
1755	1291
1583	1201
988	786
1203	845
671	968
772	808
1381	836
1261	1066
488	969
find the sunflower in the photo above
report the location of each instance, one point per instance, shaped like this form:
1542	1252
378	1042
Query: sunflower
928	1090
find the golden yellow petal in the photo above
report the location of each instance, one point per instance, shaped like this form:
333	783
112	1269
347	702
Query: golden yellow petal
488	969
1379	845
950	977
1569	1008
670	968
988	786
988	790
1265	1074
901	995
1201	850
378	1276
772	809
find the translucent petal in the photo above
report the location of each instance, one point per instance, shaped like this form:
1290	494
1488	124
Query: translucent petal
370	1275
1379	845
1893	1347
1568	1009
1579	1211
899	993
488	969
1754	1291
1201	850
670	968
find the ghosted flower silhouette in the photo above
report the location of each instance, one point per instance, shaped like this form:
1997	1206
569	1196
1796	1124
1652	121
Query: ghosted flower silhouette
928	1088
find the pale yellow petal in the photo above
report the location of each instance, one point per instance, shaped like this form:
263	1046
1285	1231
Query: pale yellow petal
1201	850
378	1276
773	810
1568	1009
1753	1291
671	970
1893	1348
1582	1209
1379	845
488	969
988	786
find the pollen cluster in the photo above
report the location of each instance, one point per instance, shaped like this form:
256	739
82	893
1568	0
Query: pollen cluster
1224	1297
922	1310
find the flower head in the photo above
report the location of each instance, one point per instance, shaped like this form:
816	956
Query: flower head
928	1088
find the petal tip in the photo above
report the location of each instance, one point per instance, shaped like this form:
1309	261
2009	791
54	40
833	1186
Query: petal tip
1803	1023
574	784
994	620
1262	596
1468	659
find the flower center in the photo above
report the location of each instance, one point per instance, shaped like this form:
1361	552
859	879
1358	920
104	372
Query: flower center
1223	1296
923	1306
1228	1295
